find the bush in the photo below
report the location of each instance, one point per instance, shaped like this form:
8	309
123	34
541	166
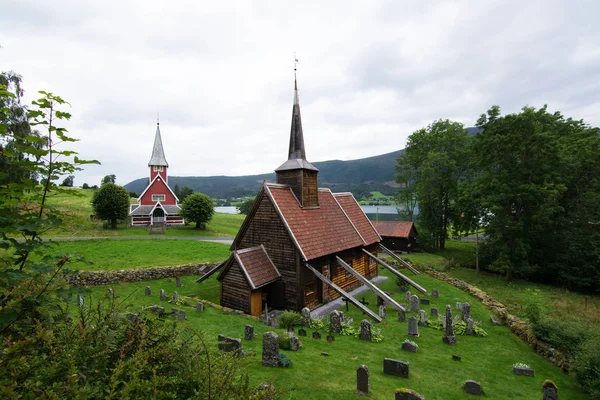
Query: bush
198	208
586	366
288	319
561	334
284	361
285	341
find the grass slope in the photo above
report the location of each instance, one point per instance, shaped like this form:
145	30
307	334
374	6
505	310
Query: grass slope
433	373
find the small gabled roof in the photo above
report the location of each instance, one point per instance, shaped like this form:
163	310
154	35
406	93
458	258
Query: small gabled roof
400	229
158	153
256	266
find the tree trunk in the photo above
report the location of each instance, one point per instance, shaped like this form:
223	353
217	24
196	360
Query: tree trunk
113	224
198	225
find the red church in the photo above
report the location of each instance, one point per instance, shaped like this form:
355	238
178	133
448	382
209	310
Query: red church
157	205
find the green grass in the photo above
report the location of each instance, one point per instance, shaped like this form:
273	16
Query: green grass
433	373
112	254
378	195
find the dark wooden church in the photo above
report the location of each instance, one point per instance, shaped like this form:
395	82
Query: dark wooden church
300	245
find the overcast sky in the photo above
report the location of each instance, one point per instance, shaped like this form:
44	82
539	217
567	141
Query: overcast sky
221	73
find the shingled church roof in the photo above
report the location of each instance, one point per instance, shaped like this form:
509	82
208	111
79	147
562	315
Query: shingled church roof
158	154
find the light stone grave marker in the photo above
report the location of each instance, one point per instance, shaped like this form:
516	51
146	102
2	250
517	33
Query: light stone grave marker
270	350
413	328
449	337
414	303
365	330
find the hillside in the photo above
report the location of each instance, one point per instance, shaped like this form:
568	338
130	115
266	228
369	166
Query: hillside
356	176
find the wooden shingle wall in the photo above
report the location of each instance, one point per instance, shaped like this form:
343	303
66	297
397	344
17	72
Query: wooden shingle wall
235	291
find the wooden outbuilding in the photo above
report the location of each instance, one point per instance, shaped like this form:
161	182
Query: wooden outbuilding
397	235
288	250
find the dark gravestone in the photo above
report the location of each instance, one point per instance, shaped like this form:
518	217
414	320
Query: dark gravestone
270	351
466	312
291	331
414	303
523	371
449	337
330	338
380	301
434	312
148	291
401	316
249	332
294	343
407	296
305	320
469	330
550	390
407	394
178	314
365	330
156	309
335	322
324	354
163	297
472	387
403	289
133	318
413	328
316	335
178	281
425	301
229	344
409	346
200	306
363	378
395	367
435	293
456	357
301	332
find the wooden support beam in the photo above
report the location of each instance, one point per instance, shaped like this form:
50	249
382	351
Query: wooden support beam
401	261
343	293
370	285
397	273
212	271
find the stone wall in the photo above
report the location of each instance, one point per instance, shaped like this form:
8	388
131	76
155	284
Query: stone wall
516	325
92	278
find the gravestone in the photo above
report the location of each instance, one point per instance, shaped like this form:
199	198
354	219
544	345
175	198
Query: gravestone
469	330
201	270
156	309
335	322
111	293
435	293
466	311
181	315
147	291
380	301
434	312
249	332
80	300
382	311
459	306
305	319
407	296
330	338
229	344
163	297
200	306
409	346
270	350
550	390
175	297
414	303
363	378
301	332
133	318
425	302
178	281
449	337
456	357
403	289
316	335
395	367
408	394
523	371
365	330
291	331
413	328
422	318
401	316
472	387
495	320
294	343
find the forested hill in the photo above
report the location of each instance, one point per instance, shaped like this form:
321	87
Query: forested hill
356	176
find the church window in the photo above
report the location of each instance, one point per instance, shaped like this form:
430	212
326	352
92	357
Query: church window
158	168
158	197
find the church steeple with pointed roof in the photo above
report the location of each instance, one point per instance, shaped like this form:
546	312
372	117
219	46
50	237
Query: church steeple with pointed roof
297	171
158	163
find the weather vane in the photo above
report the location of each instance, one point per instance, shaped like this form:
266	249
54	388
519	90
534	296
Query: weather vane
157	118
295	61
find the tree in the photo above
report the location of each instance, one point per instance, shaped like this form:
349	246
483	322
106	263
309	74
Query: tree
177	191
184	193
68	181
111	203
407	193
85	186
198	208
246	206
435	159
109	179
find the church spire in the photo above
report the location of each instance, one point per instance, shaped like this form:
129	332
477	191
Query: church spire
296	150
158	154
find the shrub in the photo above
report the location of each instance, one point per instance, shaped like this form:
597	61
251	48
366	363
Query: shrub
520	365
288	319
533	312
561	334
347	328
285	341
284	361
586	365
319	323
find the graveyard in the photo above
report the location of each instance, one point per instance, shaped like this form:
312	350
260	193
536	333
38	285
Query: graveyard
325	368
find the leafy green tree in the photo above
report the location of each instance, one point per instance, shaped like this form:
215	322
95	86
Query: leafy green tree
184	193
407	193
198	208
435	159
246	206
111	203
85	186
68	181
177	191
109	179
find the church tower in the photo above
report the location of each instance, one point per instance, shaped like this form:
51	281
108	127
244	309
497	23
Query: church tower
297	172
158	163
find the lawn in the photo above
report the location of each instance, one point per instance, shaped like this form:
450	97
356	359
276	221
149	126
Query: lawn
116	254
433	373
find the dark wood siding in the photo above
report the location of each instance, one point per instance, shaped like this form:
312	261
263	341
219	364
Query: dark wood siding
235	292
310	189
267	229
294	179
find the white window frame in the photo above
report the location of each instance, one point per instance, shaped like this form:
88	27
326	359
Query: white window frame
155	197
158	168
